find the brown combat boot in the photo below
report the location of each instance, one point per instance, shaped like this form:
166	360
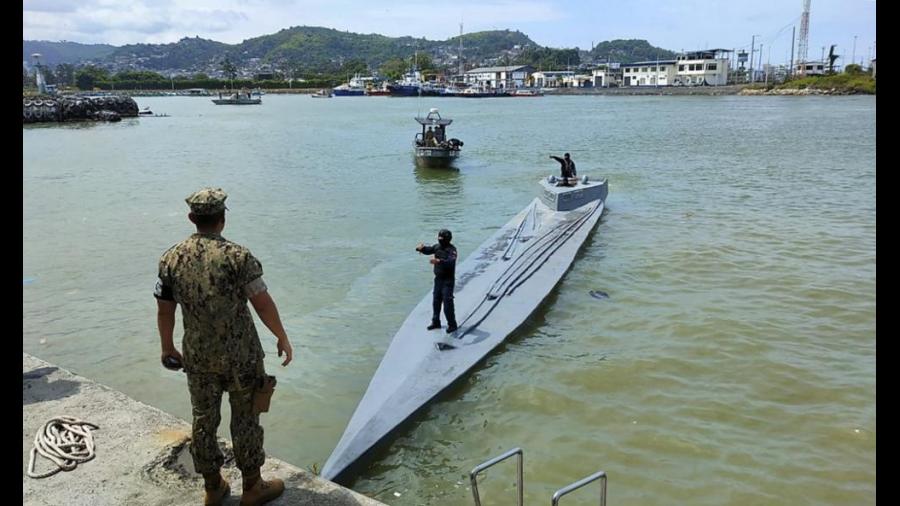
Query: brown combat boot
258	491
217	494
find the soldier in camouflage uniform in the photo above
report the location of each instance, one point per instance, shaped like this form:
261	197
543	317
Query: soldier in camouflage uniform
213	278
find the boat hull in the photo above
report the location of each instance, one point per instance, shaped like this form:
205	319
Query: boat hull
497	287
435	157
349	93
225	101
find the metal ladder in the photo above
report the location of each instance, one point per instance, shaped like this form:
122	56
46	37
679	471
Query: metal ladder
554	501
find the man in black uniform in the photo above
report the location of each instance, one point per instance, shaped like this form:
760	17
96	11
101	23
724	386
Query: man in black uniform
567	168
444	261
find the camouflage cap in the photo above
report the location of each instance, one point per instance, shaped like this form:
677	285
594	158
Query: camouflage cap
207	201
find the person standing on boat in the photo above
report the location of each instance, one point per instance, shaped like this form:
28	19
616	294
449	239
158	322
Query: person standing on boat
429	137
444	261
213	278
567	168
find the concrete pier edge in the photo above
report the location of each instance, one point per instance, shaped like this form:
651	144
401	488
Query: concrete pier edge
141	452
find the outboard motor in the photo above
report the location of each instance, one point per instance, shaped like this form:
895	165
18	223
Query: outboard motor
456	143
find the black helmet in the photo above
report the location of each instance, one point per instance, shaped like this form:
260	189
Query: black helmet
445	235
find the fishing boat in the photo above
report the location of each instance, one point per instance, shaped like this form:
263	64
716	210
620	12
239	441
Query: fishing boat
409	86
321	94
356	87
497	287
436	150
237	99
527	92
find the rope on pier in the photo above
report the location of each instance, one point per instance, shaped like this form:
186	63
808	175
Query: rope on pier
66	441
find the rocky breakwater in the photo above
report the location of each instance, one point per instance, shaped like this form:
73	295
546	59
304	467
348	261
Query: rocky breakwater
43	109
795	91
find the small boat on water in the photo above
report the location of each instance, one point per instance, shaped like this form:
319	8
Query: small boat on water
145	112
431	145
237	99
497	287
322	94
527	92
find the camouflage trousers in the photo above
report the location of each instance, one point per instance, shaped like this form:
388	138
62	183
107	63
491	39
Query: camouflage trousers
247	435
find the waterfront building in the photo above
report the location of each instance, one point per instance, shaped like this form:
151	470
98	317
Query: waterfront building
709	67
649	73
513	76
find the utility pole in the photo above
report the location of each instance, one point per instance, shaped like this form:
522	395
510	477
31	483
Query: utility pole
793	37
752	44
853	59
760	58
462	68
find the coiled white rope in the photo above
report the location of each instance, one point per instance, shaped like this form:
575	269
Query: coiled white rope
66	441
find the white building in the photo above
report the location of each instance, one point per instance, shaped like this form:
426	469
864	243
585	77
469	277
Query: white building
515	76
809	68
551	78
709	67
649	73
578	81
607	75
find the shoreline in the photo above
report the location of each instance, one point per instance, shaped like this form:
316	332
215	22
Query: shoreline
142	454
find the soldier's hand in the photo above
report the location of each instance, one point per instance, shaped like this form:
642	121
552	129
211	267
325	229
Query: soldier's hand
171	353
284	346
434	261
419	247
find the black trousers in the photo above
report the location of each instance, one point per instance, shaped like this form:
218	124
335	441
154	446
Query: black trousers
443	293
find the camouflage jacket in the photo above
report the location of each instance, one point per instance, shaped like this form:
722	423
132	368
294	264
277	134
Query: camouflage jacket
212	278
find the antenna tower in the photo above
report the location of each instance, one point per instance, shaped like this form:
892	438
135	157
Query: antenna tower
803	43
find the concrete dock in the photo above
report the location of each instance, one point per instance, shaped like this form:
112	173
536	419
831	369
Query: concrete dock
142	455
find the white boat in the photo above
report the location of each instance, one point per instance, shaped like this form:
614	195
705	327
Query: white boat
497	287
237	99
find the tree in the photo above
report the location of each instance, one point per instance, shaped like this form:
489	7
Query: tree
65	74
87	77
424	62
49	76
354	66
393	68
229	69
853	69
25	78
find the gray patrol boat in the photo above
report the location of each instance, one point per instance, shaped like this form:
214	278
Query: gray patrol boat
497	287
437	151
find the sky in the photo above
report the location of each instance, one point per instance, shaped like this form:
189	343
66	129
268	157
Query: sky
670	24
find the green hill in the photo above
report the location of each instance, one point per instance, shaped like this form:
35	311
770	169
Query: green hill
54	53
300	47
629	51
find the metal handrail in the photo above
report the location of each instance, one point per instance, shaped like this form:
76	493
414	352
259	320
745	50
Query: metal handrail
481	467
578	484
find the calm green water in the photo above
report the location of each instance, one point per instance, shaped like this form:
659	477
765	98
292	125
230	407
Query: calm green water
734	362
